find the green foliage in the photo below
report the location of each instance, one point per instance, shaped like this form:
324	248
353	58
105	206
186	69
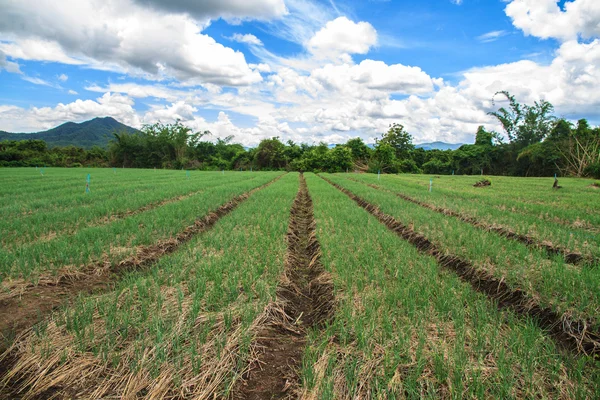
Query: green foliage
593	170
32	153
399	140
270	154
525	124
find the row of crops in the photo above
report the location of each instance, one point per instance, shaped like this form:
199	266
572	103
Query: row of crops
167	284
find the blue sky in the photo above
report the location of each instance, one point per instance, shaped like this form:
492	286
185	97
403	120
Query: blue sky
302	70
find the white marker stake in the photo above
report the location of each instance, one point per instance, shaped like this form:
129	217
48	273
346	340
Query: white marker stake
430	184
378	174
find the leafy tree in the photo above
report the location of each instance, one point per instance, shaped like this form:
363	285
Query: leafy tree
525	124
399	140
360	151
270	154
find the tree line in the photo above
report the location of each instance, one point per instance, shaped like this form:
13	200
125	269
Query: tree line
538	144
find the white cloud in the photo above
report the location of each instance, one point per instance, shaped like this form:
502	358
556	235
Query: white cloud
8	66
17	119
71	91
569	82
247	38
545	19
63	77
373	75
120	35
491	36
36	81
342	36
142	91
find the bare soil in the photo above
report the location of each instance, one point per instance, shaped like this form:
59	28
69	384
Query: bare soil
306	294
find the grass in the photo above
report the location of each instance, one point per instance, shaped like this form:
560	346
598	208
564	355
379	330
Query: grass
567	289
182	328
405	328
118	239
530	206
186	325
103	206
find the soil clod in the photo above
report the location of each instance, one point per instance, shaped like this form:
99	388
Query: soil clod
556	185
483	183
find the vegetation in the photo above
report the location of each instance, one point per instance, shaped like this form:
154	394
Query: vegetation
65	227
511	261
539	144
170	284
404	328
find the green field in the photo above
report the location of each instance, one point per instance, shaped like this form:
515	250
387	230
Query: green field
258	285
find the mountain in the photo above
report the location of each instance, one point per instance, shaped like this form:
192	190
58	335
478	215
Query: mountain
96	132
438	146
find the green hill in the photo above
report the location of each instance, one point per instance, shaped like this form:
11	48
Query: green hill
96	132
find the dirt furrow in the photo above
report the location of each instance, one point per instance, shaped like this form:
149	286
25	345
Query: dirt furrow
304	301
25	304
575	335
570	257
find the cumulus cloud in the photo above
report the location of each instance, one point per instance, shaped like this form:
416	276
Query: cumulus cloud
63	78
123	35
17	119
343	36
545	19
247	38
228	9
569	82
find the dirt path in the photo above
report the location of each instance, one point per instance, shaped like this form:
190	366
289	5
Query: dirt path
305	296
575	335
570	257
25	304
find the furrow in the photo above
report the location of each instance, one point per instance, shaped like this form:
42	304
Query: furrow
570	257
304	301
25	304
575	335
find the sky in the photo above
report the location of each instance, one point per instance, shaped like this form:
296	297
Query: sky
309	71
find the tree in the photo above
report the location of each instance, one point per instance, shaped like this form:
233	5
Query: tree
399	140
581	151
483	137
360	151
270	154
384	158
525	124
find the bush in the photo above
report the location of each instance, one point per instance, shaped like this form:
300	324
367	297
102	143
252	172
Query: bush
593	170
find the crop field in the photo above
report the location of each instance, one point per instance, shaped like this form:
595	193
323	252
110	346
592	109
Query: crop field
158	284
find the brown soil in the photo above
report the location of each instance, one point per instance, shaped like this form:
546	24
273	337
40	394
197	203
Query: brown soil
575	335
595	185
27	305
306	296
570	257
483	183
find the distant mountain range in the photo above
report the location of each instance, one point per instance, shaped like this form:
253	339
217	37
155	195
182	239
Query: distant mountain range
438	146
96	132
